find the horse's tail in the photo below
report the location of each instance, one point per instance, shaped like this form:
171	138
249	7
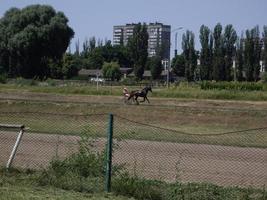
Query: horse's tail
132	94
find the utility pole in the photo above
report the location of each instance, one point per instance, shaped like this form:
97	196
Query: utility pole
175	41
165	62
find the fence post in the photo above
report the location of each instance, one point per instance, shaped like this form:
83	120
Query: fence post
14	150
109	154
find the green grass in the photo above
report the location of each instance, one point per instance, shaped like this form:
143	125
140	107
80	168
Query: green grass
150	190
184	90
172	122
17	192
23	185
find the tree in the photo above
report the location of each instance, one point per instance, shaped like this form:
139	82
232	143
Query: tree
31	38
70	65
264	36
155	67
218	57
95	59
252	54
190	56
206	41
178	65
111	70
229	38
240	58
137	48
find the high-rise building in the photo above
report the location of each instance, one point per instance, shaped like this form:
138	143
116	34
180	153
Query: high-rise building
159	36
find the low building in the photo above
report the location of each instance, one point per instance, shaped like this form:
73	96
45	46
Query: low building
94	73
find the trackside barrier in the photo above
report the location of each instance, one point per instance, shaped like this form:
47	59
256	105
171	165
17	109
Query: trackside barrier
14	150
234	158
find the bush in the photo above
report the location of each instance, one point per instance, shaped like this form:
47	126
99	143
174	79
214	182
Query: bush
139	188
242	86
264	77
83	171
3	78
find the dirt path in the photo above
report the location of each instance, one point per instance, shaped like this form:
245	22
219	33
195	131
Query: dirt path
213	104
160	160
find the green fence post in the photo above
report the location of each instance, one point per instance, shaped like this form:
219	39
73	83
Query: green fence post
109	154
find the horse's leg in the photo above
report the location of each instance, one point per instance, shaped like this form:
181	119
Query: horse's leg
147	99
144	98
137	102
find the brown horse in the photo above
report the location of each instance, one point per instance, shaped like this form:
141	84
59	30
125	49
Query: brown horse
128	95
140	93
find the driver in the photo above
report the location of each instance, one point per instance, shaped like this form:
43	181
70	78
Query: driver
125	92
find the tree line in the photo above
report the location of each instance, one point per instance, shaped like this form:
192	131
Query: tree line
34	43
220	48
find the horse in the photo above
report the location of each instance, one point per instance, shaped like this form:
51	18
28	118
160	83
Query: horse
140	93
128	95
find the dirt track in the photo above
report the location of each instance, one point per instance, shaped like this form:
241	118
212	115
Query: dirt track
161	160
213	104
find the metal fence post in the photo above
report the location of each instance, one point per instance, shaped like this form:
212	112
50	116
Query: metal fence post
14	150
109	154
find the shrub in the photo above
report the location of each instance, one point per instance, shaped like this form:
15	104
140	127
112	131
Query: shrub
82	171
3	78
264	77
242	86
139	188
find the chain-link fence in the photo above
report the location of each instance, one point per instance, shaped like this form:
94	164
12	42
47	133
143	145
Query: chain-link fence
232	159
48	136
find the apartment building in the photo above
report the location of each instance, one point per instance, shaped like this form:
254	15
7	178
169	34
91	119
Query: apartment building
158	35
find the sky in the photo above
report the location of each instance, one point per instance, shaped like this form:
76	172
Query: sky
90	18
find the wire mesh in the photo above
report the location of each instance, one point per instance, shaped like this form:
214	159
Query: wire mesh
229	159
49	136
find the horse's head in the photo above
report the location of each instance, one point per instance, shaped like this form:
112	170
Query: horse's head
148	88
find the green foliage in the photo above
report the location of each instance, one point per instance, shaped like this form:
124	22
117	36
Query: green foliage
111	71
240	59
229	40
264	35
188	45
241	86
139	188
22	185
206	41
137	48
218	58
178	65
82	171
252	54
3	75
264	77
70	66
30	37
142	189
129	81
3	78
155	67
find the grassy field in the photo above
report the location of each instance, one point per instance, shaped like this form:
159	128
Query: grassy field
183	90
168	118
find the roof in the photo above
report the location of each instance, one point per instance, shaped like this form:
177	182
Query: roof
90	72
95	72
147	73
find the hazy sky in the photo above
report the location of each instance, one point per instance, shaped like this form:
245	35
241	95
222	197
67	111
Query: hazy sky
97	17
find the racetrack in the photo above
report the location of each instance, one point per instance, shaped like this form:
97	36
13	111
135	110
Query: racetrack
222	165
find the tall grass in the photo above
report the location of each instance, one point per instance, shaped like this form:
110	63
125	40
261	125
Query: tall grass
237	86
83	171
143	189
202	90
